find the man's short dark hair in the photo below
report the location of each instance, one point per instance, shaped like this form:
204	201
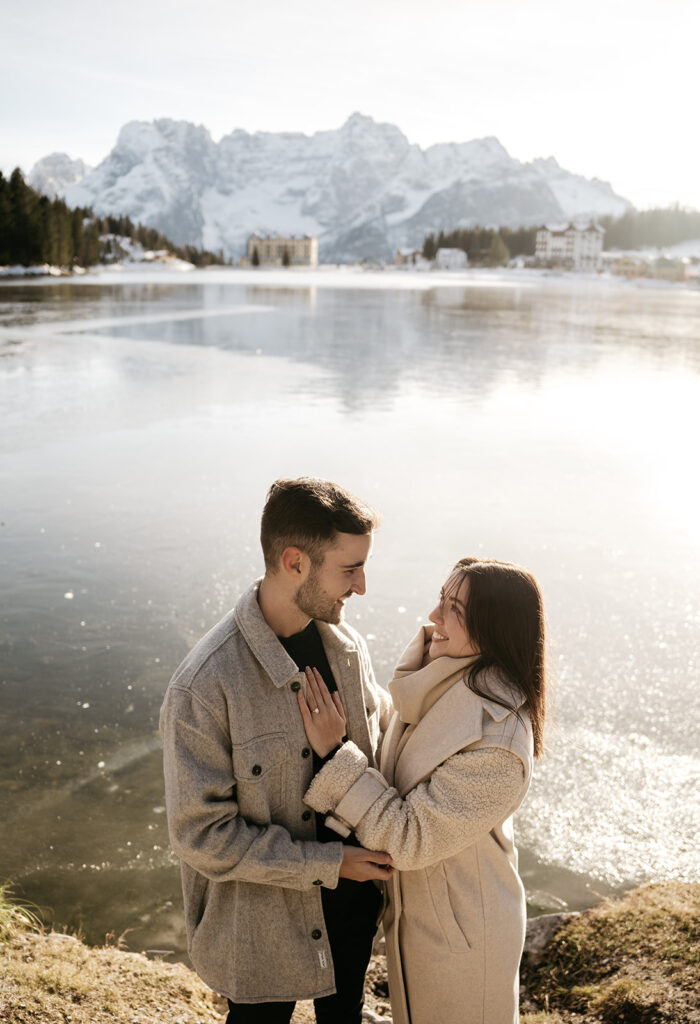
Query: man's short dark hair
307	513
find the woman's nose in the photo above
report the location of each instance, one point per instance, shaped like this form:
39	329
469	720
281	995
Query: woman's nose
435	615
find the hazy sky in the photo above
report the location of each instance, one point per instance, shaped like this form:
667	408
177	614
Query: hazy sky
608	88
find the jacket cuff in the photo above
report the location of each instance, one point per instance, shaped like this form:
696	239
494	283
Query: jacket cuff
360	797
323	867
329	786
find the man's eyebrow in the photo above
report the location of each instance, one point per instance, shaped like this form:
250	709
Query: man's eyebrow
355	565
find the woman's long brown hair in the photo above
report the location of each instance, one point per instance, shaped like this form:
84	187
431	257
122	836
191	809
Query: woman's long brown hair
504	617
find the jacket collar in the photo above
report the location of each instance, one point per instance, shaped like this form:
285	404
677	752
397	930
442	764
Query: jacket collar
413	681
454	722
266	646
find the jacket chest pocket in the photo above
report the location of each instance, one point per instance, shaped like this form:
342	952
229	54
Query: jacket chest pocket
259	771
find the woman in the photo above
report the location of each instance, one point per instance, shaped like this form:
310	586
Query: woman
456	761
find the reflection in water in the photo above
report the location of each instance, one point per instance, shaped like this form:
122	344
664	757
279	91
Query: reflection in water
552	423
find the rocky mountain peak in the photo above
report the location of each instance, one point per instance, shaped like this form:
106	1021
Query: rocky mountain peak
363	189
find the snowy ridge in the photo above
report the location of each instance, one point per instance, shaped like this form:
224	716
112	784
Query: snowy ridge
363	189
55	173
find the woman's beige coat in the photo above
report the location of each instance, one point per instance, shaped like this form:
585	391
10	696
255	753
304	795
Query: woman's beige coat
451	777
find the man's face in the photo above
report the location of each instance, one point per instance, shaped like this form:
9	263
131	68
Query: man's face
341	574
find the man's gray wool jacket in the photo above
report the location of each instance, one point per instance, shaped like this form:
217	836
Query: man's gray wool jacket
237	763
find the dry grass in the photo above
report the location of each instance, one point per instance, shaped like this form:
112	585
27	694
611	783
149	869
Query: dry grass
56	979
630	961
635	960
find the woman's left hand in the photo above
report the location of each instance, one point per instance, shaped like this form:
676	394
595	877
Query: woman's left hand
322	712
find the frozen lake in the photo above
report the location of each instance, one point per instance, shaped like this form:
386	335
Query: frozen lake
553	422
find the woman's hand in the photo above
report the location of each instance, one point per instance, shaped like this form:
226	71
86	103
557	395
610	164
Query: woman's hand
322	712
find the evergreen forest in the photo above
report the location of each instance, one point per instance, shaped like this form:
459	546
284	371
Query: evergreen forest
35	230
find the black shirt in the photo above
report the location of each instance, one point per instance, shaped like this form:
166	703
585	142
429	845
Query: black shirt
350	901
306	649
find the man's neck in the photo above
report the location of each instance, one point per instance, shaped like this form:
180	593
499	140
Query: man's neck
281	614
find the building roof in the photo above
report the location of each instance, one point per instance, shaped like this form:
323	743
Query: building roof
257	235
561	229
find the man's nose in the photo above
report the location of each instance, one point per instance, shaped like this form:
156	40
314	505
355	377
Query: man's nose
360	584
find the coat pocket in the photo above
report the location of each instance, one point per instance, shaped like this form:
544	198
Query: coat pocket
442	904
259	771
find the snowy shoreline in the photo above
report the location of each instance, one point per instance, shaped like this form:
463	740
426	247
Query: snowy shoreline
332	276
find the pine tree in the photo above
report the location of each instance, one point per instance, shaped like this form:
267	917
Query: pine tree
429	247
5	221
498	251
285	257
255	259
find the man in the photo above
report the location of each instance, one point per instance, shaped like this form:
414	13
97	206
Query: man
276	908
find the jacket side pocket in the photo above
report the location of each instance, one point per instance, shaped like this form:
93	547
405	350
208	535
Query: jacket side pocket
440	896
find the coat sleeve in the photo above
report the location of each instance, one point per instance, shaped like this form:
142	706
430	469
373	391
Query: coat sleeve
464	798
206	830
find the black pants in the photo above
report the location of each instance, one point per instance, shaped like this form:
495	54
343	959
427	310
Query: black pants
350	913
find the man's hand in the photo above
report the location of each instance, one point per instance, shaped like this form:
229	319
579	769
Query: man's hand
363	865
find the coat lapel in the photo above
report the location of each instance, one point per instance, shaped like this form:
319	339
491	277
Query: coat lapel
387	756
454	722
344	660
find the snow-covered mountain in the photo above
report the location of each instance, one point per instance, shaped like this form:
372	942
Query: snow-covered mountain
54	174
363	189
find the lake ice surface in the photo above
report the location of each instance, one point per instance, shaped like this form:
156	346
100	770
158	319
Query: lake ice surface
551	422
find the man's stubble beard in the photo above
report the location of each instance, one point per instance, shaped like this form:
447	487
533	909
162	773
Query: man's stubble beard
312	601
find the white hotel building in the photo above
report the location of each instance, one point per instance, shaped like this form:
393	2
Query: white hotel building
570	246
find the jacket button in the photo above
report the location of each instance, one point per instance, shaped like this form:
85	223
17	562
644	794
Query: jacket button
256	769
305	752
316	933
296	685
306	816
318	882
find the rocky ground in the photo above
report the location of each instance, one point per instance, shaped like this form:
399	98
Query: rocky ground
635	960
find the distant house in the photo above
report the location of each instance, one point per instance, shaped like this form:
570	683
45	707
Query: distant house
281	251
628	265
570	246
450	259
666	268
408	257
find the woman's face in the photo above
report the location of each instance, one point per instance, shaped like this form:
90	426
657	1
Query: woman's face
450	637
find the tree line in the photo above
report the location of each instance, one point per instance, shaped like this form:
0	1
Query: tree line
636	228
658	227
35	230
483	246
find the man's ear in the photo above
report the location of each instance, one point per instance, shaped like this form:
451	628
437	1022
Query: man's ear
295	562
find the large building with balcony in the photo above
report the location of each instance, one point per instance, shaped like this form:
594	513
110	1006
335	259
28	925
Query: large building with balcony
282	251
570	246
